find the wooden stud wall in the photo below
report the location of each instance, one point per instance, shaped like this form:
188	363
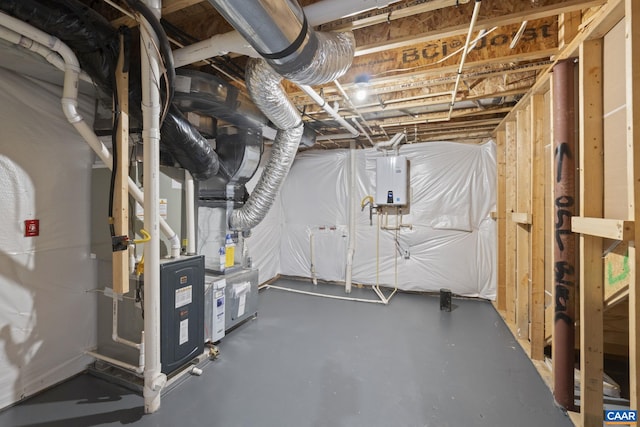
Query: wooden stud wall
525	261
632	30
510	226
523	206
539	138
501	223
591	184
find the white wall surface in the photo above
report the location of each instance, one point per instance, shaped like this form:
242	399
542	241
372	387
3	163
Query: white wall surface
452	239
47	315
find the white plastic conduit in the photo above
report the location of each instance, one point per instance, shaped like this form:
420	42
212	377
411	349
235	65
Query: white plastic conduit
69	104
472	24
49	55
326	107
352	217
189	202
154	379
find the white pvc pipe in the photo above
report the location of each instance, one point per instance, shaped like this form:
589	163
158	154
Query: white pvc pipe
50	56
217	45
362	131
326	296
390	144
317	13
69	100
352	218
472	24
347	99
189	201
326	107
114	327
154	379
116	362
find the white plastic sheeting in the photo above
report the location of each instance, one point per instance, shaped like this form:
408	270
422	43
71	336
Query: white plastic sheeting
451	243
47	315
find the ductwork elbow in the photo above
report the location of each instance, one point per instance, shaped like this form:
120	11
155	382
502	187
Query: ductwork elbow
264	86
279	31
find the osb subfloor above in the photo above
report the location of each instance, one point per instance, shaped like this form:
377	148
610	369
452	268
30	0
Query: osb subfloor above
411	51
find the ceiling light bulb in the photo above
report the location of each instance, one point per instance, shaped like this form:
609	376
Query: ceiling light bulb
361	94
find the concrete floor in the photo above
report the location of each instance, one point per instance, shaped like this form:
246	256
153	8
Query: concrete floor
310	361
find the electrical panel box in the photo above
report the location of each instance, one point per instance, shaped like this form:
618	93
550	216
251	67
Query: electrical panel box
392	181
181	311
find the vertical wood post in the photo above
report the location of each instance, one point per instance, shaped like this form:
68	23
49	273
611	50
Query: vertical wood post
632	30
120	259
591	205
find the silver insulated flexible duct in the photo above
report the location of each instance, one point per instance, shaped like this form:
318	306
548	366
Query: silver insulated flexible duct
279	32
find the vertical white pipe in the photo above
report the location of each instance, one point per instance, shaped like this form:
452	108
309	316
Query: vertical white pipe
472	24
352	217
154	380
189	201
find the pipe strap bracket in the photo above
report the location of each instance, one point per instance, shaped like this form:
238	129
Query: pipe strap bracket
292	47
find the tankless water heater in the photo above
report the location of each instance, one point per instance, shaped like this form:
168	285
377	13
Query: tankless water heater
392	181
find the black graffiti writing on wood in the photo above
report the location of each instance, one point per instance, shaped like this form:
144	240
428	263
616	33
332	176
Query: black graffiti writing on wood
562	150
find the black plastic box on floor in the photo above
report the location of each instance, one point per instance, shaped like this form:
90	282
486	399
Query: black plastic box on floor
181	311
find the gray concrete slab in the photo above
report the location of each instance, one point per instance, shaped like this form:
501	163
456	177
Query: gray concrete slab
311	361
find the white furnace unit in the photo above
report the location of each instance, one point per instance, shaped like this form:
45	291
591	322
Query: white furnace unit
392	181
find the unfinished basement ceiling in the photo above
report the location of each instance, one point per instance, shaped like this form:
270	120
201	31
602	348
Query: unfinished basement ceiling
410	52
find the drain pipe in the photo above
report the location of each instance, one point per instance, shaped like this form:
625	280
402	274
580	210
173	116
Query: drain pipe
326	107
49	55
351	249
474	18
566	279
189	202
43	44
69	102
154	379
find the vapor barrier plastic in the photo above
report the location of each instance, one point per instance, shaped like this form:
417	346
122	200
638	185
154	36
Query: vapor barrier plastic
47	315
264	243
452	240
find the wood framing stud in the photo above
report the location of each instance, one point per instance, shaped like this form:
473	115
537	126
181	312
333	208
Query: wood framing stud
591	195
521	218
615	229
